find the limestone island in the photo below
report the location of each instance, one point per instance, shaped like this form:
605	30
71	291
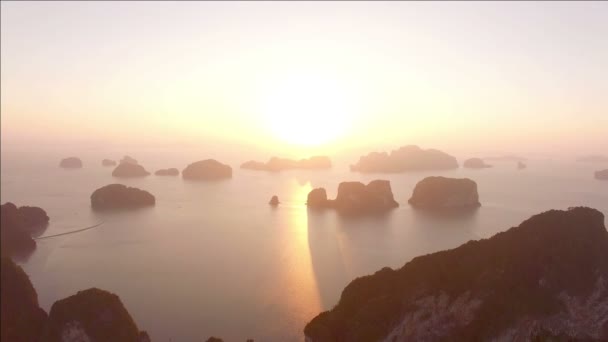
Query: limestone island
71	163
209	169
601	175
278	164
355	198
407	158
108	162
475	163
128	159
17	226
89	315
544	280
128	170
118	196
438	193
167	172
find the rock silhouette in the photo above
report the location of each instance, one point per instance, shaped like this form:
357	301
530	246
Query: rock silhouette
601	175
274	201
279	164
209	169
167	172
129	160
445	193
71	163
407	158
475	163
546	278
118	196
356	198
16	227
128	170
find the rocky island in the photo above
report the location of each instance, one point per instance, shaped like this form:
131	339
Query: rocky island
209	169
475	163
128	170
274	201
17	226
545	280
118	196
355	198
601	175
407	158
129	160
90	315
108	162
167	172
278	164
71	163
440	193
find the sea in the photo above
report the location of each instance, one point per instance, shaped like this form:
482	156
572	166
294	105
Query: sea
214	259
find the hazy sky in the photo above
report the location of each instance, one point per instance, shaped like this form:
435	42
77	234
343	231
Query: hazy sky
308	77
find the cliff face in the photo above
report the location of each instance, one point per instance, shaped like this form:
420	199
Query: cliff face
548	277
405	159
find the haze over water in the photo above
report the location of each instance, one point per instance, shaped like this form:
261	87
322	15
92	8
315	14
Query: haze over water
216	259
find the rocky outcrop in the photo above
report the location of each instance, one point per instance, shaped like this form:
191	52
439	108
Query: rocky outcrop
209	169
90	315
546	278
521	165
356	198
118	196
22	319
129	170
108	162
16	227
475	163
274	201
128	160
167	172
71	163
438	193
407	158
279	164
601	175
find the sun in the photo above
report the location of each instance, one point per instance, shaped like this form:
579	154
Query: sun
307	110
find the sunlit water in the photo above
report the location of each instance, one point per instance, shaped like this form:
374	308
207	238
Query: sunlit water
213	258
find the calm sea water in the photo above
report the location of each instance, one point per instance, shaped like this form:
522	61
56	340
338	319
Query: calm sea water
213	258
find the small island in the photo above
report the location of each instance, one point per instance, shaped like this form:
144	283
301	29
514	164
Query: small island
355	198
209	169
275	164
118	196
128	170
17	226
438	193
167	172
274	201
475	163
407	158
71	163
601	175
108	162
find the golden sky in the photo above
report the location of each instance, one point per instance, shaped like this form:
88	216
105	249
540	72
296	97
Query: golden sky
302	78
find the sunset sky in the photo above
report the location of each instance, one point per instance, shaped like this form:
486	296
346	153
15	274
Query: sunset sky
303	78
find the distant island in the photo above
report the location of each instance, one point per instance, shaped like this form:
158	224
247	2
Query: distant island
355	198
208	169
601	175
108	162
118	196
475	163
278	164
506	158
407	158
167	172
129	170
544	280
595	158
71	163
440	193
128	159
